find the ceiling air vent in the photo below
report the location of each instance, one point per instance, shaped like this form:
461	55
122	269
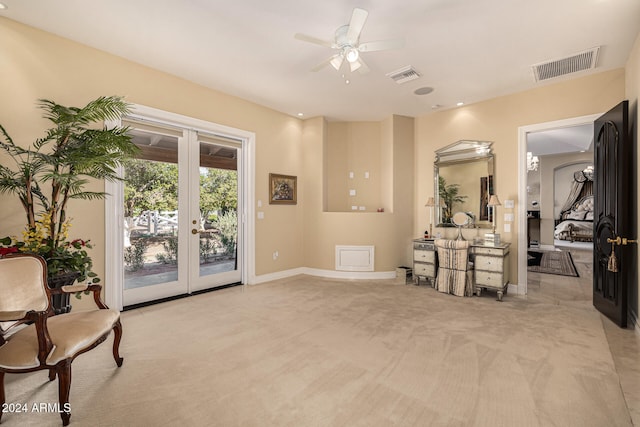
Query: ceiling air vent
403	75
579	62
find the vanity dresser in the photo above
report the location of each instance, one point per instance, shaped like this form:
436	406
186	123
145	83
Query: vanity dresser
490	265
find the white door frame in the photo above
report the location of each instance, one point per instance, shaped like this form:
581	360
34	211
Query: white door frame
523	131
114	268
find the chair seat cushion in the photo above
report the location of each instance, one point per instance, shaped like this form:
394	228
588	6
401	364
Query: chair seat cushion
70	333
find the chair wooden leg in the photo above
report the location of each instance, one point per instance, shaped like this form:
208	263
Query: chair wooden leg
117	332
63	369
2	402
52	374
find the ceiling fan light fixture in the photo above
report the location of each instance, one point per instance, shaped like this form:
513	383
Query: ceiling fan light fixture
355	65
352	54
336	62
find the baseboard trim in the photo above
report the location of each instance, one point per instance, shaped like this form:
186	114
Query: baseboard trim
330	274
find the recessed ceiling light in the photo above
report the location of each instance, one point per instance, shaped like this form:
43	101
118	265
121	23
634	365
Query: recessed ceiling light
3	6
300	114
423	90
436	106
460	104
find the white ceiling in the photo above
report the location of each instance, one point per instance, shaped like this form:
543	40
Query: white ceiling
467	50
563	140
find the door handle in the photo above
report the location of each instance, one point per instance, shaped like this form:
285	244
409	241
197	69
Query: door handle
621	241
195	231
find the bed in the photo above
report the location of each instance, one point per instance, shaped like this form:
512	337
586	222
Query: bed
576	224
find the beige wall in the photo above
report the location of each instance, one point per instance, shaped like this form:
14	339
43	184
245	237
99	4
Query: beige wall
498	120
354	147
389	232
632	93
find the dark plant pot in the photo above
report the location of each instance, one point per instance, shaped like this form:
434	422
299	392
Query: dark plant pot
61	303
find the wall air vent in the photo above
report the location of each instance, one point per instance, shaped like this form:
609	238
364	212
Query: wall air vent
578	62
403	75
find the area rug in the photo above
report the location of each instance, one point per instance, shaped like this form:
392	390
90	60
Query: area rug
551	262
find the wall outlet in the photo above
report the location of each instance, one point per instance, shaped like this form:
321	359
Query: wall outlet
351	175
260	215
354	208
509	204
352	192
508	217
507	228
366	175
275	255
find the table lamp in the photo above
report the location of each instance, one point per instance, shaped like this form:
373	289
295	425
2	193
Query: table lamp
430	203
493	238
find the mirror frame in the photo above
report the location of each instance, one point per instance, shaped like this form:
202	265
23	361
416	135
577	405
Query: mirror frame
463	151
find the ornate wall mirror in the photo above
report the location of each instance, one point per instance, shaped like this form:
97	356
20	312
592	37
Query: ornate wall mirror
464	180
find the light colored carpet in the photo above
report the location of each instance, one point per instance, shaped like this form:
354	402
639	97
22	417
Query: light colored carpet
318	352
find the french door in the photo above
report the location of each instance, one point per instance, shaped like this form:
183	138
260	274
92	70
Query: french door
179	227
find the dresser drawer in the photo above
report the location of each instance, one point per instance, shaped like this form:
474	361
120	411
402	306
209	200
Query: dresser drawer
486	250
489	279
424	256
424	246
489	263
425	270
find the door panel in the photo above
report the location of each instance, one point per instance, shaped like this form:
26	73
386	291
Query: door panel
214	213
151	221
615	201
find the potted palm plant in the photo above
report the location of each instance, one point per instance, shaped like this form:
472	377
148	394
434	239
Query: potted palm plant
55	169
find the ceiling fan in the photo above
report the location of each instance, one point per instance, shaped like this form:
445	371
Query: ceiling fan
347	42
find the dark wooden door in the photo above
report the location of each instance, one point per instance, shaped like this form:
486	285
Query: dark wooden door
615	199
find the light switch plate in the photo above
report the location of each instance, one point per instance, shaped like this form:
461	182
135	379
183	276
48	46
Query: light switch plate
508	217
507	228
351	175
260	215
509	204
352	192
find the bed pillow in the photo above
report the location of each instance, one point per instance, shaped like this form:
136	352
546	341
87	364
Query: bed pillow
577	215
589	216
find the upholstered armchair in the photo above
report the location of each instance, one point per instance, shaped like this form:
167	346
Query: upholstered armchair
455	274
32	339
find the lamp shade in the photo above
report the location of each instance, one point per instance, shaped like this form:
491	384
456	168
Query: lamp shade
430	202
493	201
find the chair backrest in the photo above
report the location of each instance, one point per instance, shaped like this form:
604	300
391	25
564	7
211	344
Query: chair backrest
453	254
23	283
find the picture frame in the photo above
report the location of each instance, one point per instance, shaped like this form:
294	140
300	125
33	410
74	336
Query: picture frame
283	189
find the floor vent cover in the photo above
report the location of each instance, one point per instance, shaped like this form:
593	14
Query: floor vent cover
578	62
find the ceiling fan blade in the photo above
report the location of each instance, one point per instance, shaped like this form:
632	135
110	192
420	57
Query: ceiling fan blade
381	45
363	69
355	65
335	61
358	19
310	39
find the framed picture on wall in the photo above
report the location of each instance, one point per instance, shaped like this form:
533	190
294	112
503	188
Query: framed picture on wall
283	189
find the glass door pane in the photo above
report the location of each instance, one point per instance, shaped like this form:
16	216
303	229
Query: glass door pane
217	260
151	235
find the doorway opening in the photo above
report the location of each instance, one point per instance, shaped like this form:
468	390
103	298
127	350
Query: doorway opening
555	144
